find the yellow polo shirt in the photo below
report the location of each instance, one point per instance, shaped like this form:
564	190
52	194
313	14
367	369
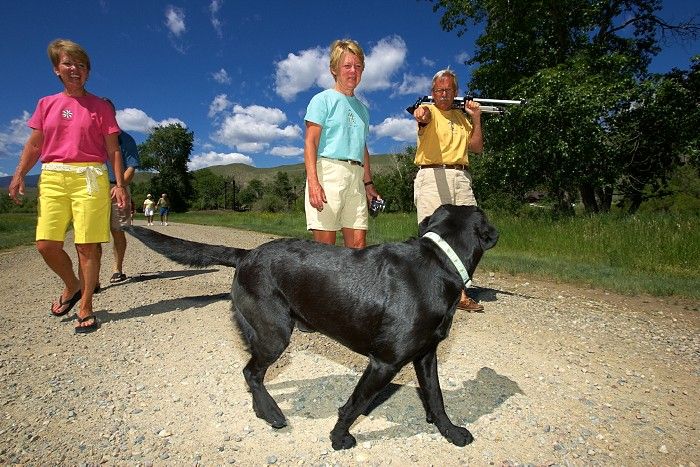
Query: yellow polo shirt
445	140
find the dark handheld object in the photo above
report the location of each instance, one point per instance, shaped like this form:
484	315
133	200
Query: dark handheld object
376	206
493	105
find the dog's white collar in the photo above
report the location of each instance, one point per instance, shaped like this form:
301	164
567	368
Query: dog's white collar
444	246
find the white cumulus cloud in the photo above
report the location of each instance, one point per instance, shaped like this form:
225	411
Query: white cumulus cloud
216	23
254	128
413	84
398	129
218	105
287	151
15	135
210	158
221	77
130	119
175	20
297	73
382	61
310	68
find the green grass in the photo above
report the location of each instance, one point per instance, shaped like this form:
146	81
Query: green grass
657	254
17	229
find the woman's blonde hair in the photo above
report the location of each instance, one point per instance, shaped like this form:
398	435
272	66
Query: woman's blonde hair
73	50
338	47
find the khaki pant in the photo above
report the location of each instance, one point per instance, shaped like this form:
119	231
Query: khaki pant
345	192
434	187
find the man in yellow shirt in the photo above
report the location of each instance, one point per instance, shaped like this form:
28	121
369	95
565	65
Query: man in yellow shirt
445	138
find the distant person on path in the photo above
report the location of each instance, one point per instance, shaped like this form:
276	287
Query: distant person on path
445	137
149	207
121	217
338	176
74	134
164	206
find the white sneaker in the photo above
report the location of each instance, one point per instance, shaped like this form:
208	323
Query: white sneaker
166	223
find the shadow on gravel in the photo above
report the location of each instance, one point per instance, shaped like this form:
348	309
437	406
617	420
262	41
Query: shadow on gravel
164	306
483	294
149	275
398	404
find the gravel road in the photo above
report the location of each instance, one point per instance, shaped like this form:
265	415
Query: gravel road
549	375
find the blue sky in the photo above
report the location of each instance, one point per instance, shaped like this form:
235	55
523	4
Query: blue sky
239	74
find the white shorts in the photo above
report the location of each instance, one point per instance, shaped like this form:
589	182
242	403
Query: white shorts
345	192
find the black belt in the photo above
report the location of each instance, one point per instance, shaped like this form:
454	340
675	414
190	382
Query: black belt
444	166
349	161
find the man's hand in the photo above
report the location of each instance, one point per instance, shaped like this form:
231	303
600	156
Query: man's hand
422	114
473	108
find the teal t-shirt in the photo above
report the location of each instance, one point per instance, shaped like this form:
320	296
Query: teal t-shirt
344	122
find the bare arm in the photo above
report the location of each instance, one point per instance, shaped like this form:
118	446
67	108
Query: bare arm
27	160
370	190
317	197
476	142
115	158
129	175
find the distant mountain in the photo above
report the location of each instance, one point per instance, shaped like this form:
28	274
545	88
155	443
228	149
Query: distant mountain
242	173
30	181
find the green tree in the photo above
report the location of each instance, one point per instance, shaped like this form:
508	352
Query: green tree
251	193
396	187
209	189
578	62
167	150
651	152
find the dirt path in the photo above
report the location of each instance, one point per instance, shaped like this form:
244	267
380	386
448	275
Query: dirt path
550	374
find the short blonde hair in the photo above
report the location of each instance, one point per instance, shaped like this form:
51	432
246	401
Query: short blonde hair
73	50
340	46
446	73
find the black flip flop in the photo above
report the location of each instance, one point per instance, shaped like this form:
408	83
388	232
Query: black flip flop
69	304
117	277
86	329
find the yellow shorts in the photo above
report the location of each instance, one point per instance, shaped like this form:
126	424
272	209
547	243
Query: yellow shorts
64	198
434	187
345	193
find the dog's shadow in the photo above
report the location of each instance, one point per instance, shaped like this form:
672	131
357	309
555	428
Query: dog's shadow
398	404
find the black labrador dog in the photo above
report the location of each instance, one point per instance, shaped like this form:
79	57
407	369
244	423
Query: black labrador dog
393	303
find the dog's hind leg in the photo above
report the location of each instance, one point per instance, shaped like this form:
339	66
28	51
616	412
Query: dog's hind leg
265	346
264	405
431	395
375	378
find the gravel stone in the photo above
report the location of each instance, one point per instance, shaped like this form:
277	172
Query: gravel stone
550	374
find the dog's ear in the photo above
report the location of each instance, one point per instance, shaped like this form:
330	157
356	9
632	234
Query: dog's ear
488	235
423	226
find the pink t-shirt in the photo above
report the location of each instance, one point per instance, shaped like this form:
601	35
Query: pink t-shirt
74	128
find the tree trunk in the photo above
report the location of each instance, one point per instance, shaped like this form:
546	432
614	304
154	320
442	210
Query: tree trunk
588	198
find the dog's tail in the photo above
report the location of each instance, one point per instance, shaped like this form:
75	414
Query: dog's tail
187	252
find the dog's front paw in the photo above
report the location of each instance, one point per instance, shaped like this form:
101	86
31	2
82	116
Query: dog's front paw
457	435
271	415
342	441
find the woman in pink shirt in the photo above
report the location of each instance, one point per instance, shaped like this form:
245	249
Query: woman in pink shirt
74	134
